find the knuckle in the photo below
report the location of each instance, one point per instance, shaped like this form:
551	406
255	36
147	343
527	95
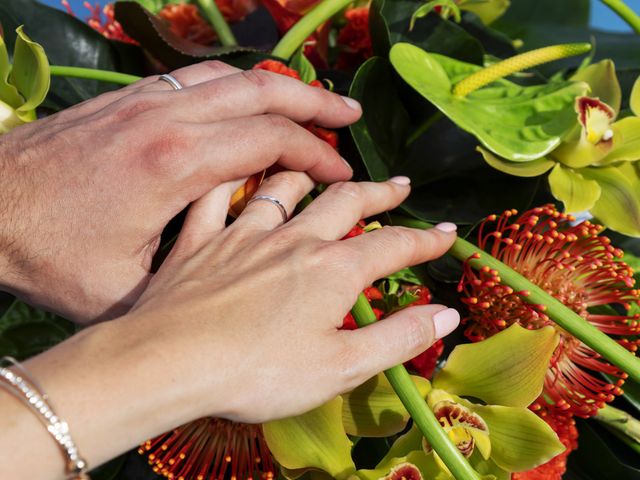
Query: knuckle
279	122
402	237
134	105
165	152
258	78
216	66
419	334
348	361
348	189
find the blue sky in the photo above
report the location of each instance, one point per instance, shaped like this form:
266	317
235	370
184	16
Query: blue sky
601	16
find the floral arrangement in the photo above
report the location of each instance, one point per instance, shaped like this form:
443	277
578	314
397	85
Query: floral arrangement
534	149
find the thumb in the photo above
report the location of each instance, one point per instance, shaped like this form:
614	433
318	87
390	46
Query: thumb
398	338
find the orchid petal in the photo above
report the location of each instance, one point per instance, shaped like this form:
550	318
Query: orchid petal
519	169
8	93
626	141
618	207
500	370
572	189
514	122
314	440
427	465
603	81
520	440
30	74
488	10
374	410
634	100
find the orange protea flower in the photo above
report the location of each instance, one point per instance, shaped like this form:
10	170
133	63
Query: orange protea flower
211	448
577	266
185	21
565	427
103	21
354	39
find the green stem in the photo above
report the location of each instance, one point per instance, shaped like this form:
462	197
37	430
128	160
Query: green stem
92	74
620	421
625	12
417	406
308	24
212	12
556	310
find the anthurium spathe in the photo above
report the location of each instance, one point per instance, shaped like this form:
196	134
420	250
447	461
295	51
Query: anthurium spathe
23	85
518	123
498	437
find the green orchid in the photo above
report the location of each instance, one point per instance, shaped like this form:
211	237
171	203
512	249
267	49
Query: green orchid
595	168
498	436
23	85
487	10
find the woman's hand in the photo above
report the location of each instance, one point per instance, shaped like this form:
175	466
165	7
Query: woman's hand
86	193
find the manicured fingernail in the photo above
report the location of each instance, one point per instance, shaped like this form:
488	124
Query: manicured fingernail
446	321
404	181
447	227
347	164
351	103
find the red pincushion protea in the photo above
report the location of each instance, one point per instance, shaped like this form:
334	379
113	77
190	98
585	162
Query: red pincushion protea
103	21
211	448
185	21
577	266
275	66
565	427
354	39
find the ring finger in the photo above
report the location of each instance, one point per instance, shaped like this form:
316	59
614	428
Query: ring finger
276	198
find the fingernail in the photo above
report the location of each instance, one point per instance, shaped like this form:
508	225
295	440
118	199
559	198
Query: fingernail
351	103
347	164
446	321
447	227
404	181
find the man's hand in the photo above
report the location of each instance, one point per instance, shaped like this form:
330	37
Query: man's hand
86	193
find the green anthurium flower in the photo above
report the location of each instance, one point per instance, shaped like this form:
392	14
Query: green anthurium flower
488	10
23	85
518	123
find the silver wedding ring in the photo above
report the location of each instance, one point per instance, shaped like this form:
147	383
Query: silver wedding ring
171	80
274	201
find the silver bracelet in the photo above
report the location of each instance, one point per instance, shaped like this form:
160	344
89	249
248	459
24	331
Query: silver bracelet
21	385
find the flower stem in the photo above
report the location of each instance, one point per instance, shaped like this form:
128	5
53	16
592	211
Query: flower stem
563	316
620	421
417	406
308	24
212	12
92	74
521	62
624	12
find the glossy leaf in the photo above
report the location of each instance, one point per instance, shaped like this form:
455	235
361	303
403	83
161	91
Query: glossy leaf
520	440
314	440
518	169
30	74
626	141
374	410
499	370
521	130
571	188
634	100
619	204
603	82
488	10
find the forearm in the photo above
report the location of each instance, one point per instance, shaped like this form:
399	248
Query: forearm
100	382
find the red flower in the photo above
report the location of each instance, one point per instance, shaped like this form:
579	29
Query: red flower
107	26
354	39
578	267
210	448
565	427
185	21
275	66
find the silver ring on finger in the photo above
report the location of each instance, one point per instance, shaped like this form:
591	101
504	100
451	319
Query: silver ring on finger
274	201
171	80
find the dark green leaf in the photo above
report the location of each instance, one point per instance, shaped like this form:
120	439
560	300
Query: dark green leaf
68	41
170	49
389	24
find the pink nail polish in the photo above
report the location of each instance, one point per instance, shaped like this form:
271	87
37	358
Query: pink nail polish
447	227
445	322
401	180
351	103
